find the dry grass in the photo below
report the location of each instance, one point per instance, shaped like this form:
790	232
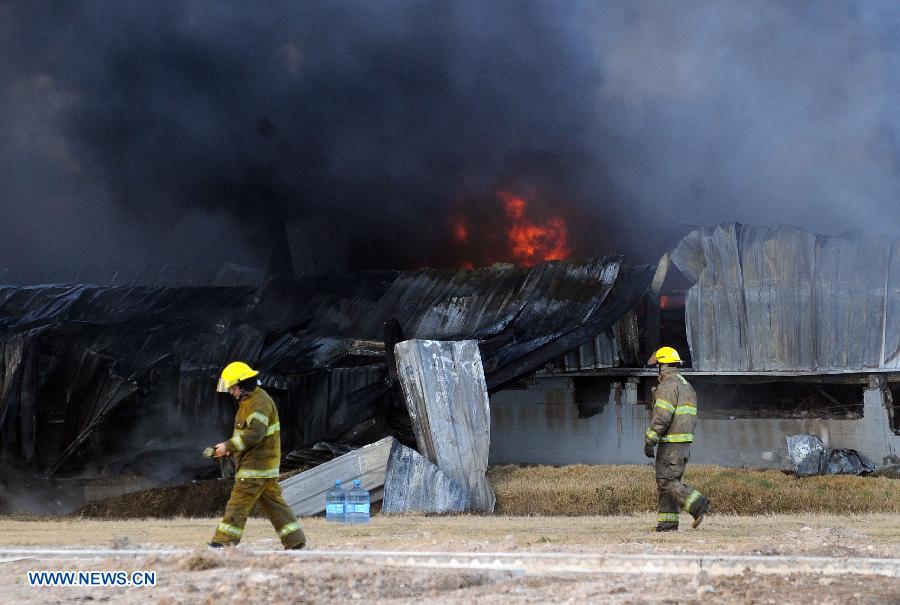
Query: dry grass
580	490
614	490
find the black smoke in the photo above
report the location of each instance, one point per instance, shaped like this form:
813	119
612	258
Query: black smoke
202	132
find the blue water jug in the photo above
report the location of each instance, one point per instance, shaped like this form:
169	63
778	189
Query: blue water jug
336	503
357	504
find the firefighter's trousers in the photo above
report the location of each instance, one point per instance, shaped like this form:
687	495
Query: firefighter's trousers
673	496
244	495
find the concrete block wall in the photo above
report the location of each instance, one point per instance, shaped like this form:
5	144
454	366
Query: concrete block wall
540	425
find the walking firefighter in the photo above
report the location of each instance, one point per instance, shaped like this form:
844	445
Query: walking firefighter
671	432
256	448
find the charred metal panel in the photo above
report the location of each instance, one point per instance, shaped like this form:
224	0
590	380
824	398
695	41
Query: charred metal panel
91	375
80	359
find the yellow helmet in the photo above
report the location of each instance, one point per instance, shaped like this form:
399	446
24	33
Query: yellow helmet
665	355
233	373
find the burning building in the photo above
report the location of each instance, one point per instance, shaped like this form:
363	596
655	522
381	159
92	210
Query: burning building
101	381
784	332
150	174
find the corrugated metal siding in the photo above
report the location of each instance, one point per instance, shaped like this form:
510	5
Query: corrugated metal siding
615	347
784	299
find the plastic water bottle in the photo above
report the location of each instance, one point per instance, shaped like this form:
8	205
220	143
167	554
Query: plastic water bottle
357	504
336	503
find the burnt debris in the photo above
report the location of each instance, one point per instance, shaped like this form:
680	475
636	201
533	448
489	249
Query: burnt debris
98	381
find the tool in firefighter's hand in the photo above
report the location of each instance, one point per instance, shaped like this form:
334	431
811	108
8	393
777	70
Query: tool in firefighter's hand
226	463
210	452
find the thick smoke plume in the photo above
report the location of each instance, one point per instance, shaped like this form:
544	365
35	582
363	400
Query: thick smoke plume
190	132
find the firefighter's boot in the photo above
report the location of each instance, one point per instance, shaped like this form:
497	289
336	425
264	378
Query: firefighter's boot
698	510
667	522
669	526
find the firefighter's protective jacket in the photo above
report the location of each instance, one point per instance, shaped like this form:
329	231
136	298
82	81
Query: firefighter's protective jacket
256	442
674	411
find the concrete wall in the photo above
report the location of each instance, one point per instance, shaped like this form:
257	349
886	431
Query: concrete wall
540	425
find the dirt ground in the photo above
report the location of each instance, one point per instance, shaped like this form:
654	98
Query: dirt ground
204	576
874	535
237	579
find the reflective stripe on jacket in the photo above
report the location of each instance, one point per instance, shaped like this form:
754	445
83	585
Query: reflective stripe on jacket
674	413
256	442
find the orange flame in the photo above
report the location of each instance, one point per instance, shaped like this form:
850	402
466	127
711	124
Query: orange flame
531	242
460	231
528	240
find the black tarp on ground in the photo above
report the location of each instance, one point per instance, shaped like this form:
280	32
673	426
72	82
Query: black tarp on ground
781	298
103	380
809	456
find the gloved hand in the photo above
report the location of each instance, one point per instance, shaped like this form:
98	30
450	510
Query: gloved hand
648	451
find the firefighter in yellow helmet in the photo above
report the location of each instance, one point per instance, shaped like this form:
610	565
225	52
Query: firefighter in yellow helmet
256	447
671	432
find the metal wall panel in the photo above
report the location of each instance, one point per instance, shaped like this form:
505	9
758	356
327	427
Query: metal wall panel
781	298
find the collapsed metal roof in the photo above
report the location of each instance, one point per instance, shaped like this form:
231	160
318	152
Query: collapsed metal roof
94	379
100	379
781	298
